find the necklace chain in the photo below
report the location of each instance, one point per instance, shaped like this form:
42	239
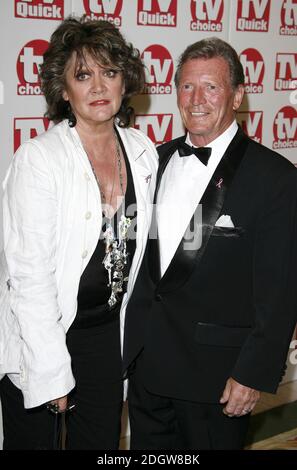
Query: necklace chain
116	255
118	160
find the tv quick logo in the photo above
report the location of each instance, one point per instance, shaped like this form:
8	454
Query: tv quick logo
252	124
207	15
28	62
285	71
253	15
253	67
159	70
285	128
25	128
108	10
288	18
157	13
39	9
158	127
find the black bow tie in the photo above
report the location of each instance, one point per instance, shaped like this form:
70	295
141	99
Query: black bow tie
203	153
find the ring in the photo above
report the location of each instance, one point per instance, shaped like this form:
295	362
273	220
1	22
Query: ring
246	411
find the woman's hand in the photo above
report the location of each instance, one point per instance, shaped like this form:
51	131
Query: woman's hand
61	403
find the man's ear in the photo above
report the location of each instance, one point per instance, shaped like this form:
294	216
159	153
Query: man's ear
238	97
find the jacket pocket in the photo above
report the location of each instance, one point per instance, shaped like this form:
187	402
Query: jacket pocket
9	334
227	232
218	335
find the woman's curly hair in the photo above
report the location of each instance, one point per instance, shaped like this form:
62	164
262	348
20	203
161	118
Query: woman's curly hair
106	45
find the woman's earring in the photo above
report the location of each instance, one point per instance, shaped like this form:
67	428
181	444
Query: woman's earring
71	117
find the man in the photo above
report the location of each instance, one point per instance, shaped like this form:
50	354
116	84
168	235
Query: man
209	324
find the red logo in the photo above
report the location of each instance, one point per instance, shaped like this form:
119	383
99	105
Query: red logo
26	128
158	127
253	15
288	18
252	124
159	70
285	71
207	15
39	9
285	128
29	59
108	10
253	67
157	12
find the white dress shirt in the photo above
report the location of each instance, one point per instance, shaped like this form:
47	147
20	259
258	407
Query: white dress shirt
183	184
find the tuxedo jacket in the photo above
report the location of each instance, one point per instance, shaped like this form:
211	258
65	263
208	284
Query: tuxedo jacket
228	307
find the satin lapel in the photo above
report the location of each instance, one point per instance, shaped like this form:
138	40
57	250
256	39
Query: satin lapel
153	253
212	202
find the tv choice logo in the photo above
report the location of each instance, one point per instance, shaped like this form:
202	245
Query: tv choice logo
158	127
158	70
285	71
293	94
207	15
288	18
253	67
285	128
108	10
252	124
28	62
25	128
157	13
39	9
253	15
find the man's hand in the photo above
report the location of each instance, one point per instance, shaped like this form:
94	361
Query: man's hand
240	400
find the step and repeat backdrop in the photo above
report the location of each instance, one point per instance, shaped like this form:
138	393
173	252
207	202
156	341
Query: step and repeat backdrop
262	31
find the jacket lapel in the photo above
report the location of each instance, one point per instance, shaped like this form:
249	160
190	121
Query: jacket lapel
144	177
212	202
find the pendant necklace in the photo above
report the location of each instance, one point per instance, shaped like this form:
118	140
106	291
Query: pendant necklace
116	255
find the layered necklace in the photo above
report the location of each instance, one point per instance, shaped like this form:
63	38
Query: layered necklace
116	255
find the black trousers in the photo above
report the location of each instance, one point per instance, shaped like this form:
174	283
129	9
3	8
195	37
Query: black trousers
166	423
95	421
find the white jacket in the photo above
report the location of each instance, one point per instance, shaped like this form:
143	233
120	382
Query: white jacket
52	220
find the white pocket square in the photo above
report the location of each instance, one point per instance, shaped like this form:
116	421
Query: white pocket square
224	221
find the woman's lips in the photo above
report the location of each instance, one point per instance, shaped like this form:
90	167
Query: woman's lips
99	102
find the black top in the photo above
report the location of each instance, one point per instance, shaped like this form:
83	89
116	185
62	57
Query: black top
93	293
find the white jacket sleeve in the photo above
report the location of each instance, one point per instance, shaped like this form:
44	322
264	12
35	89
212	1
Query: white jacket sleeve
30	240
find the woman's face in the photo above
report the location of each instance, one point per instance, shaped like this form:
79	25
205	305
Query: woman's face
95	92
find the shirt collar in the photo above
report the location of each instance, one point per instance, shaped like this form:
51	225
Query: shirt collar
220	144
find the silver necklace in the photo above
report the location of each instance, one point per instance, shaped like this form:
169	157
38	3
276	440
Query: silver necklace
107	206
116	255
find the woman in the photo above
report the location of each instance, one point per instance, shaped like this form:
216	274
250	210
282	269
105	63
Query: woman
70	239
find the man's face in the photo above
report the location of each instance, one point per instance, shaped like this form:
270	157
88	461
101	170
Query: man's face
206	99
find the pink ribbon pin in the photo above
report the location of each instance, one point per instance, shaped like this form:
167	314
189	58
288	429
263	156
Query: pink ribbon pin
219	183
148	178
